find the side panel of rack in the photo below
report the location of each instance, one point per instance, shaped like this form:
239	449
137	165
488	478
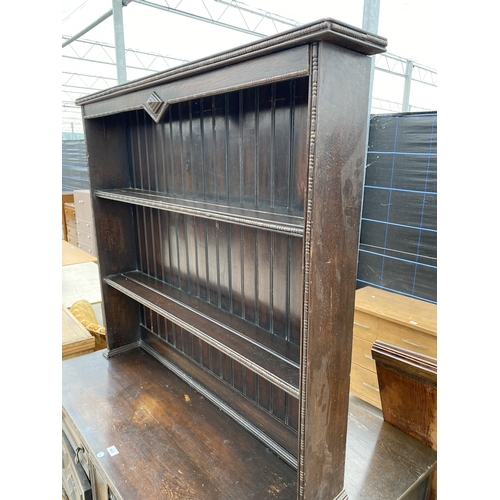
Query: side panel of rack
116	234
340	83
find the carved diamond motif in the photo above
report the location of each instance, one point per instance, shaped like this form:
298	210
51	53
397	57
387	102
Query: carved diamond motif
155	107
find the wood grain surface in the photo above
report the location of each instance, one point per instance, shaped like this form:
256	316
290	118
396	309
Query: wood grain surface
173	443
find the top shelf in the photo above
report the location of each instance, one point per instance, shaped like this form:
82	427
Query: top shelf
261	219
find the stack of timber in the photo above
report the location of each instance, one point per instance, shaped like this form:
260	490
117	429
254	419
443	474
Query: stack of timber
76	340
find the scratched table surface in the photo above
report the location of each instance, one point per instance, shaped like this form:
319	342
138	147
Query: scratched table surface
131	404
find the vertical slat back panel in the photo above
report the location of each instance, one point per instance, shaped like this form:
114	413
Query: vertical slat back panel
245	148
274	400
241	270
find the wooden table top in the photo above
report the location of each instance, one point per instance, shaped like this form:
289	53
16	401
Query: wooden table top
74	255
172	441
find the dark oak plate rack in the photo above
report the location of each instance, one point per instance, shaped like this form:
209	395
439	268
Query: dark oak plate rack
227	196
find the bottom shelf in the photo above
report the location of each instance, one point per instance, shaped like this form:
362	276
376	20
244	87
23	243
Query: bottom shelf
152	436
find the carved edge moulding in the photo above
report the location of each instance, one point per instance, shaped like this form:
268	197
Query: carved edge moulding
336	31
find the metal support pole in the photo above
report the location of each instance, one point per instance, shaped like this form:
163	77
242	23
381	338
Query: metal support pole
121	67
197	17
406	92
93	25
371	10
88	28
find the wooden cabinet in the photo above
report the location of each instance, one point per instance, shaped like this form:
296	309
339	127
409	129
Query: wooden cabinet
80	477
392	318
67	197
226	196
85	231
70	223
76	484
78	221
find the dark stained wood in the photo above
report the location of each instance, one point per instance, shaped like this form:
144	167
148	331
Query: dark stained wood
283	66
259	351
121	319
383	462
242	379
254	142
222	264
335	182
228	230
408	393
284	223
257	421
174	301
133	403
408	390
114	224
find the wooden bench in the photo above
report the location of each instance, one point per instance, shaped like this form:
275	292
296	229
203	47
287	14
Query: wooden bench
408	392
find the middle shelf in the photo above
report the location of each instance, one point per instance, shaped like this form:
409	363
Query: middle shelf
272	220
271	357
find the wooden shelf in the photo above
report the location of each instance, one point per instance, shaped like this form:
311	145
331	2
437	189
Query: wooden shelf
269	220
267	355
259	421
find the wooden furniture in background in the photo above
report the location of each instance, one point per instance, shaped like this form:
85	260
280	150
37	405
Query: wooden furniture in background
84	312
408	392
84	221
76	340
80	281
70	217
67	197
144	433
227	196
392	318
